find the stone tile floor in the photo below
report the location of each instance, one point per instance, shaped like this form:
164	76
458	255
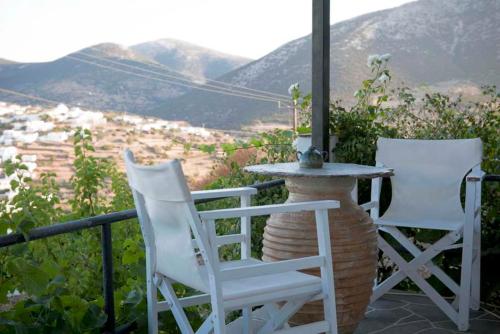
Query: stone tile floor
403	313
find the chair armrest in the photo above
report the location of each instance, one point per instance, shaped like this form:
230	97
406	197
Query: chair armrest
266	268
475	176
220	193
263	210
370	205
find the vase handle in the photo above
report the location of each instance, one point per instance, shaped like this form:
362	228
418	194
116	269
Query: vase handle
325	155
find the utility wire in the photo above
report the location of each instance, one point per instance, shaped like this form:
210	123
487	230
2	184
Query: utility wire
32	97
53	102
180	78
170	82
166	68
184	78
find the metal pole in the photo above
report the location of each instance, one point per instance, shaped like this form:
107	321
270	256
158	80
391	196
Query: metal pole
107	273
321	74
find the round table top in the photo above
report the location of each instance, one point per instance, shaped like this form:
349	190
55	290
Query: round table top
292	169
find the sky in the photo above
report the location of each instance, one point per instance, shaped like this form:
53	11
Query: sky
44	30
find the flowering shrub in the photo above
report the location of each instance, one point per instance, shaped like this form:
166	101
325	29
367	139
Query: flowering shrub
53	285
397	113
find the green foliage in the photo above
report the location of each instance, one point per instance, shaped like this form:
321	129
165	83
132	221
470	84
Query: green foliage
31	206
59	279
269	147
89	178
42	272
380	112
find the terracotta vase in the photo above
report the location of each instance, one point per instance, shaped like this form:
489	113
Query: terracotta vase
354	246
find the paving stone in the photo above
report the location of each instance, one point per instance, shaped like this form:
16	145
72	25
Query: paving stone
379	319
477	326
409	328
385	304
416	298
411	318
430	312
488	316
485	326
409	314
436	331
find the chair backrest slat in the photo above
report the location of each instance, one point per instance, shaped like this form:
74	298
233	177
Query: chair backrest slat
167	216
427	176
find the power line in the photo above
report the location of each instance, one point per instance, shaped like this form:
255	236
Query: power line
171	82
32	97
53	102
175	77
166	68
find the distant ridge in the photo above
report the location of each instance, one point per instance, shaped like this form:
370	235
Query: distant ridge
431	41
76	79
6	61
190	59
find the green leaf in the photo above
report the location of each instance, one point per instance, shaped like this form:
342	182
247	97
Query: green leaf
32	278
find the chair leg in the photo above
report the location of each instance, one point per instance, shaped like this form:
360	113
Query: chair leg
152	297
247	320
476	268
467	258
176	308
219	319
465	290
278	319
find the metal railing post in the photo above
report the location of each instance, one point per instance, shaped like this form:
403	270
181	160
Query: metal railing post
107	273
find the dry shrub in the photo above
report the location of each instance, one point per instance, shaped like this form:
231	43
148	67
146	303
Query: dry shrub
222	169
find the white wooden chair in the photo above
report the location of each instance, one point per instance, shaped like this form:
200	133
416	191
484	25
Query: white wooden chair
426	194
173	230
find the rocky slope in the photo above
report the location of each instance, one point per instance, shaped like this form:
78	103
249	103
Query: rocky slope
90	82
192	60
430	41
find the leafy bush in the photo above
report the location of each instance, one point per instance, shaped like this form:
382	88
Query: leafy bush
54	284
397	113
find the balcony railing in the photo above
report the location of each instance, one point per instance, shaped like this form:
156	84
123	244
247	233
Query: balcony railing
105	222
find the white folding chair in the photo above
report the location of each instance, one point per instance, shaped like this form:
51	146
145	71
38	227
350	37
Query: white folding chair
169	221
426	194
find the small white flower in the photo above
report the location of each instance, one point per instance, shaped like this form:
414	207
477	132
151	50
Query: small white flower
383	78
385	57
293	87
372	59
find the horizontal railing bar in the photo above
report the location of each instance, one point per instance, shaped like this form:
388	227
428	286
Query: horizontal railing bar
492	178
90	222
67	227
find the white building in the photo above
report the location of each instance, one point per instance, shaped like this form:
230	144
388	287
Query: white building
85	119
28	158
7	153
55	137
39	126
10	136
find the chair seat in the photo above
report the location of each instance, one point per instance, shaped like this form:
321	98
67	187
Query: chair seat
285	282
445	225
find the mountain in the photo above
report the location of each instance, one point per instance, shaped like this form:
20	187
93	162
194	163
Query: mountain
430	41
189	59
85	78
6	61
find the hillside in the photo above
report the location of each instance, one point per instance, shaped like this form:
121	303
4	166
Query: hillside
92	84
431	41
189	59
